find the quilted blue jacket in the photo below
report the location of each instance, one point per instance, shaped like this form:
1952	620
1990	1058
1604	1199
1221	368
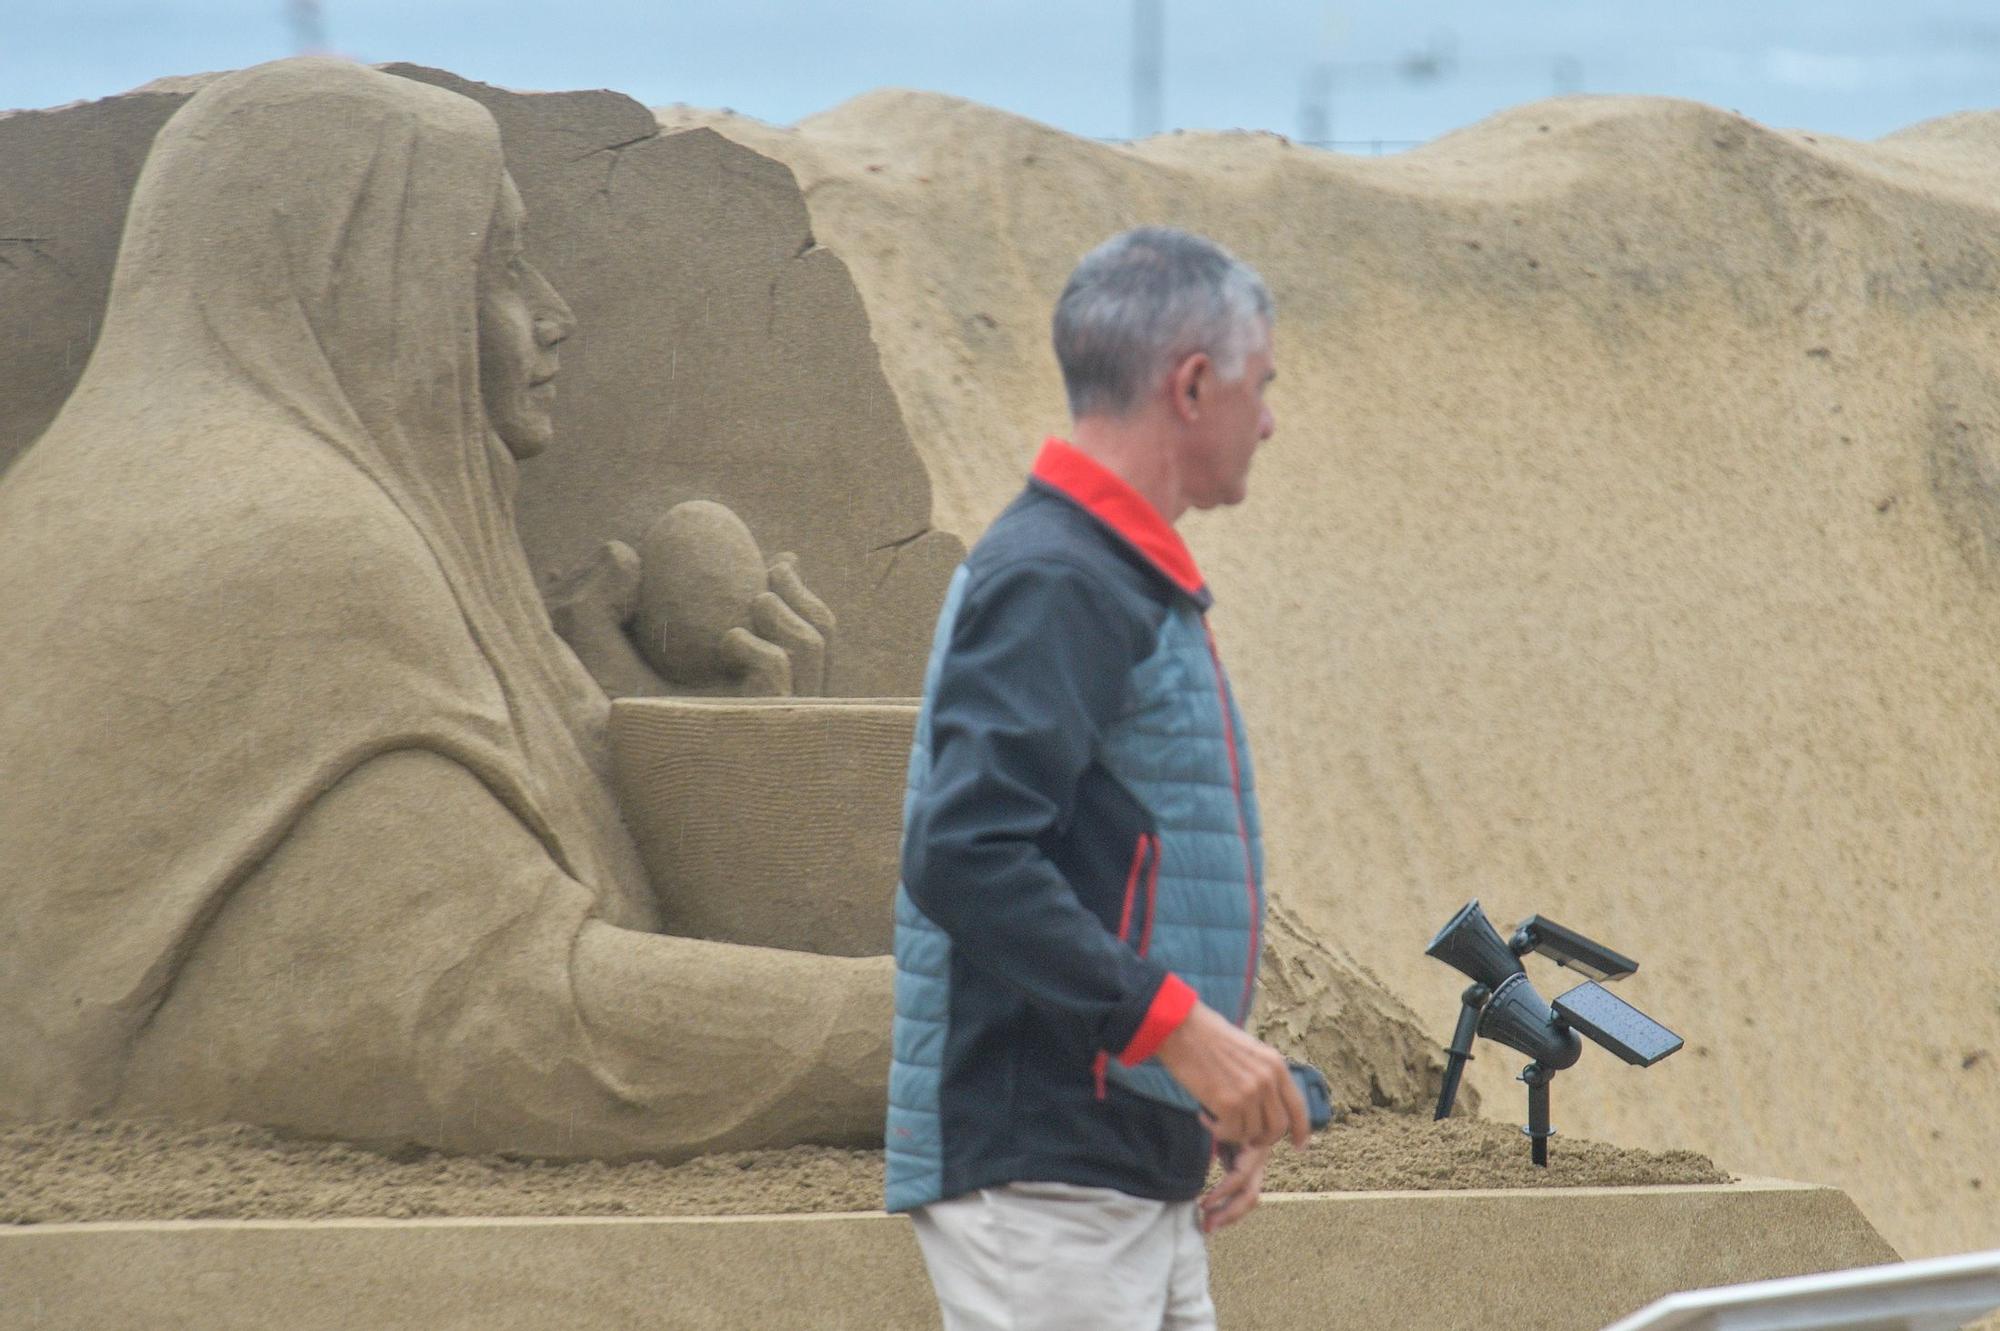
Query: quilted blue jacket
1081	856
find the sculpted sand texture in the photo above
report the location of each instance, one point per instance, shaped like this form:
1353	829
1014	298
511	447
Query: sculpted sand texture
777	822
703	571
308	820
1629	551
720	355
68	178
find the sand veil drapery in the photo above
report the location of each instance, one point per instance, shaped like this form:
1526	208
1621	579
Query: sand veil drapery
268	539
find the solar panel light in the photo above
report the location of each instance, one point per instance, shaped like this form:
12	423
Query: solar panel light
1569	948
1502	1004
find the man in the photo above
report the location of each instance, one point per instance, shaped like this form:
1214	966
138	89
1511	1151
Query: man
1079	922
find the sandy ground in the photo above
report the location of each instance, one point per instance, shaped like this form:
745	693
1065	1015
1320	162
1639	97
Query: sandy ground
141	1170
1629	551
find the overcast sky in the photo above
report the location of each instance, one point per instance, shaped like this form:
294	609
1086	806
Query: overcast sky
1855	67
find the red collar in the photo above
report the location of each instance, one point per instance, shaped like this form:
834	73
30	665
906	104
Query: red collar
1110	499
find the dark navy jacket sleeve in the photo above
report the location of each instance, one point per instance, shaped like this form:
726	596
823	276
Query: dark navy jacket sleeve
1038	663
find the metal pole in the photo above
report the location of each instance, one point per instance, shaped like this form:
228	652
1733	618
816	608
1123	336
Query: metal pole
1538	1129
1460	1051
1316	104
1149	52
308	26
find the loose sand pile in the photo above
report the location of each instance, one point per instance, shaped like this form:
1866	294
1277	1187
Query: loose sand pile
136	1170
1629	551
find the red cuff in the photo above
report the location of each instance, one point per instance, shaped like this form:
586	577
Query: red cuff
1170	1008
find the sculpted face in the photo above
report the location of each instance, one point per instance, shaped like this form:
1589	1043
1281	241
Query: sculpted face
521	322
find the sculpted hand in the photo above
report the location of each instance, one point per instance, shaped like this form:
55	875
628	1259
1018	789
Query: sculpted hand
590	607
603	592
1236	1193
783	652
1243	1085
760	668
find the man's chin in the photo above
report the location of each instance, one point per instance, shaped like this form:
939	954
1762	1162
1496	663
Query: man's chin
1228	498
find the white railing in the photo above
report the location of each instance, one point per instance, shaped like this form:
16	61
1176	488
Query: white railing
1936	1294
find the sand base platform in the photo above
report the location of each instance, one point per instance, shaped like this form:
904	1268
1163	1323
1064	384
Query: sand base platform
1570	1259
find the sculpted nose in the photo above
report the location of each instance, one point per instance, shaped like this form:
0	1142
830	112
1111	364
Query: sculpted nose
553	320
550	330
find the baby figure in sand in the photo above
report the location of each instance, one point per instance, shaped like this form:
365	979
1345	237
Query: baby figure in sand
308	820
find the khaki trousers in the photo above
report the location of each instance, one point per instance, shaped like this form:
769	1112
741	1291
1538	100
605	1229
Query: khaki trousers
1055	1256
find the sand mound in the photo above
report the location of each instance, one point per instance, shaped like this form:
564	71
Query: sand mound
1629	551
61	1172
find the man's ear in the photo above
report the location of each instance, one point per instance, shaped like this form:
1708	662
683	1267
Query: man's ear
1189	378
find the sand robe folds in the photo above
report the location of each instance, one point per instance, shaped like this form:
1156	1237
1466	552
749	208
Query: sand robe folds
305	819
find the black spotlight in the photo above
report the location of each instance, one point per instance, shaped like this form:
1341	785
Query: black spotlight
1517	1017
1471	945
1501	1004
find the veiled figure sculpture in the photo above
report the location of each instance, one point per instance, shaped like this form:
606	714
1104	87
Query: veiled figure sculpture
307	818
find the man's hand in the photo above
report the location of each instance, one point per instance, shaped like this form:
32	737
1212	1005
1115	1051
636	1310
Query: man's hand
1235	1194
1243	1085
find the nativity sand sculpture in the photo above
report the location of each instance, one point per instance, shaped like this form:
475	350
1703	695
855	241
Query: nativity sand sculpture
310	822
311	818
721	357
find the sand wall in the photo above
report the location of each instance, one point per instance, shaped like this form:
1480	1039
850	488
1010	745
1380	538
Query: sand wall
1629	551
1348	1259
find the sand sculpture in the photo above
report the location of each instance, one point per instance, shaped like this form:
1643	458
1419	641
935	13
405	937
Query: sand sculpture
725	357
311	819
695	609
307	819
1627	551
720	356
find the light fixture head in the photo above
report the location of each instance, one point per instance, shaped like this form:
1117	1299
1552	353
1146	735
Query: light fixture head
1470	944
1517	1017
1567	947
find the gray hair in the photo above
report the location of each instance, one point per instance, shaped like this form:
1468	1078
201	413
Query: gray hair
1143	301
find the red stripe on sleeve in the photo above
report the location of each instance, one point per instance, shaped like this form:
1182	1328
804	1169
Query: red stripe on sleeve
1170	1008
